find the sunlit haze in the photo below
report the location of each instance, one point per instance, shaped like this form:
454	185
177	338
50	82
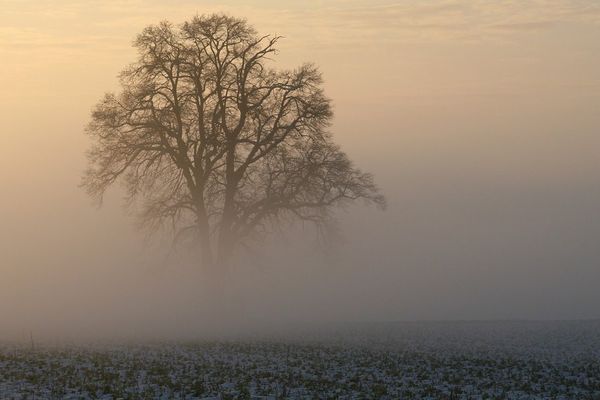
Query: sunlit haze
479	121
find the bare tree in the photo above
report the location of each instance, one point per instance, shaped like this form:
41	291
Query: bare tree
212	142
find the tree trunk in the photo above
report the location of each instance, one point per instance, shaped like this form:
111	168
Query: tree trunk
226	237
206	255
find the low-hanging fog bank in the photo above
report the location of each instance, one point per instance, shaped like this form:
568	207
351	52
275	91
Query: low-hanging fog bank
479	122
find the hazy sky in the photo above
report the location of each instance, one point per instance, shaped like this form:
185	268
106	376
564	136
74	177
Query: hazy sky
479	119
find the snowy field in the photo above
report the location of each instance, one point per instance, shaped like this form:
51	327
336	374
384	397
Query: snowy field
494	360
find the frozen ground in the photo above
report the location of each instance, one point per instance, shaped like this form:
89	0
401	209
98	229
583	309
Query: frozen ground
495	360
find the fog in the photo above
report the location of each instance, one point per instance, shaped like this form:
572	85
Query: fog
480	123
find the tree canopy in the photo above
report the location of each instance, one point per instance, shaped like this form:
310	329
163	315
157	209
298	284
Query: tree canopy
212	141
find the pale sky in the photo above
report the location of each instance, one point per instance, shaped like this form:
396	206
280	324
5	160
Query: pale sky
480	121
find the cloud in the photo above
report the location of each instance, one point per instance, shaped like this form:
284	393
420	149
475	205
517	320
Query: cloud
335	23
410	21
